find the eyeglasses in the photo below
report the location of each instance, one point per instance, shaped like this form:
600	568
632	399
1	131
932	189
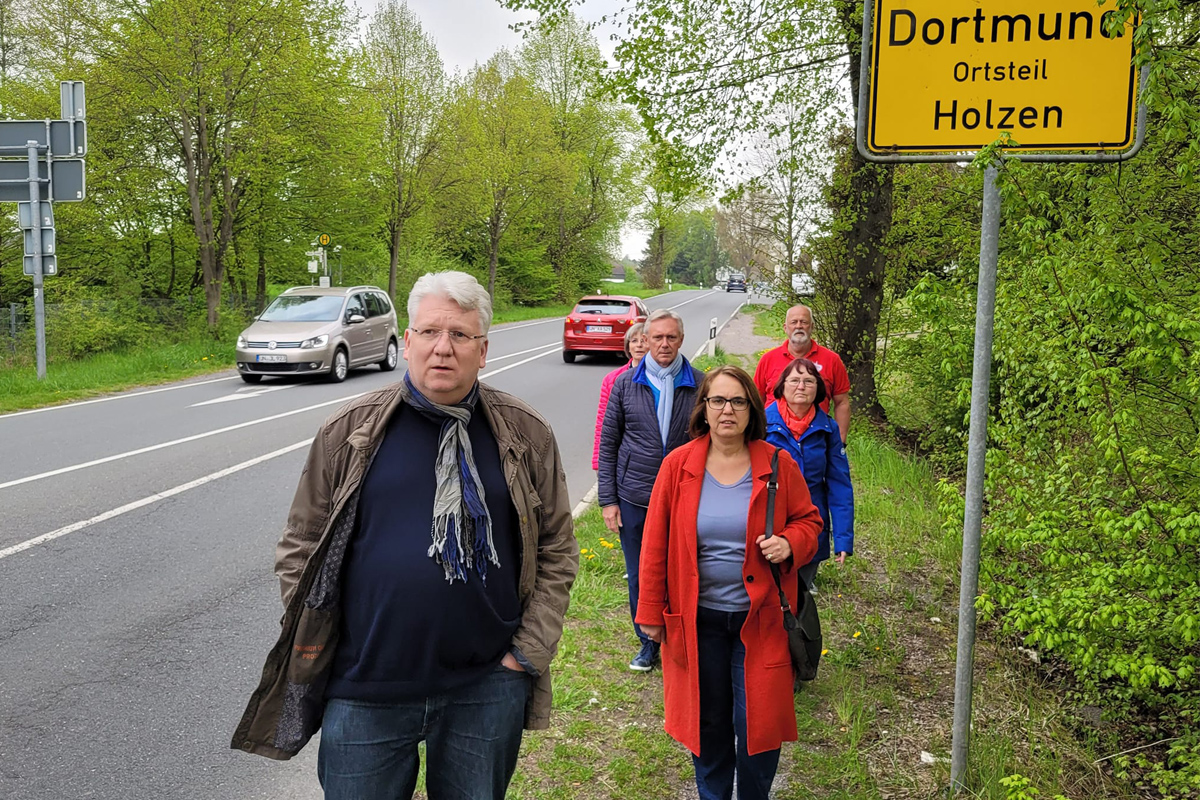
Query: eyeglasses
792	383
457	338
717	403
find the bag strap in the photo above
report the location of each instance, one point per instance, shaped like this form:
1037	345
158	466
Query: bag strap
789	619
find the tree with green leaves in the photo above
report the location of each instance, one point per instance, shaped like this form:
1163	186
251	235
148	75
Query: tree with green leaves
699	256
227	87
706	76
504	156
594	138
670	187
405	83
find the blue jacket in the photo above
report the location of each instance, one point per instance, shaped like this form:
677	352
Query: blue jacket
631	446
822	459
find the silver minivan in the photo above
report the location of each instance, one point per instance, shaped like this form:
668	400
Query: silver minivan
309	330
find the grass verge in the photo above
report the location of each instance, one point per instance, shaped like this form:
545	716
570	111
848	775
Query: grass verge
884	695
110	372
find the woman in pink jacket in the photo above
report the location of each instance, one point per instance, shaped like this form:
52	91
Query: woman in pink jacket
636	346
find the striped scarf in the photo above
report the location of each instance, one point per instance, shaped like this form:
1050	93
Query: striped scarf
462	525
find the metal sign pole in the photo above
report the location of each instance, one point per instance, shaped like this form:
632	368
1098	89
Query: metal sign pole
39	300
985	313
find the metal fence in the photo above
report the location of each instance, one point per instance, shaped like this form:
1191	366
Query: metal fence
12	323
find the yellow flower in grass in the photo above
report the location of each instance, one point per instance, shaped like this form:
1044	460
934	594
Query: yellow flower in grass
857	634
825	652
609	545
582	550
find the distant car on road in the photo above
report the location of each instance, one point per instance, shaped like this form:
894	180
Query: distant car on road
736	283
598	325
804	284
309	330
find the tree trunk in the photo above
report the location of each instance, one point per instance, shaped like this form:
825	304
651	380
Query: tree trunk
260	285
396	226
870	210
493	253
652	274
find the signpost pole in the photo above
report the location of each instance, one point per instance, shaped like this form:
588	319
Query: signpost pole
39	300
985	312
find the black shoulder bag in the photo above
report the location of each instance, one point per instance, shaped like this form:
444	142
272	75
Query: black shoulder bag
804	627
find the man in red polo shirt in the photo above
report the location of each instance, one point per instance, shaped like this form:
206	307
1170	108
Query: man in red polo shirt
800	344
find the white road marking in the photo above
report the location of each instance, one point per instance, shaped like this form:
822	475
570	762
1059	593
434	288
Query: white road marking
162	445
116	397
556	349
172	443
523	352
588	499
525	325
242	394
694	299
145	501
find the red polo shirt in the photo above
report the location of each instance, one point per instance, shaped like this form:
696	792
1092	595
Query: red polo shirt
829	364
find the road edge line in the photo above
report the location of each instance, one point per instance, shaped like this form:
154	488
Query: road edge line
148	500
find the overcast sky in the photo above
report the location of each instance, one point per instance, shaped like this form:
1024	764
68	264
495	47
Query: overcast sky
468	32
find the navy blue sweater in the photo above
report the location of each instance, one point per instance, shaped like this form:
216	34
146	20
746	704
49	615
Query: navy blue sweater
405	631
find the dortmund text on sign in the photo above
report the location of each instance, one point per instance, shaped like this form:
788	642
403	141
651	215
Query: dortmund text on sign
1052	74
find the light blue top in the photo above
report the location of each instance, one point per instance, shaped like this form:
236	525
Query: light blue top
721	543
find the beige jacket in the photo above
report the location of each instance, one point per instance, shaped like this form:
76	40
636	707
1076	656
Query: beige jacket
286	708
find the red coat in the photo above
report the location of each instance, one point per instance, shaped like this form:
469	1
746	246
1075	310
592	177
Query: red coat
670	591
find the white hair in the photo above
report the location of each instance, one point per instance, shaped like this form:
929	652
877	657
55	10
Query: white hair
460	287
664	313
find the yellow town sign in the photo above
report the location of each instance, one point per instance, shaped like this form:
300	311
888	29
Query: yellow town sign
950	76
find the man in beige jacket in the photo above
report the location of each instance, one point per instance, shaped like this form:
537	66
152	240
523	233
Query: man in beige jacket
425	570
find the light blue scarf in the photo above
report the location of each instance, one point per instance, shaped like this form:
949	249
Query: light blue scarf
663	379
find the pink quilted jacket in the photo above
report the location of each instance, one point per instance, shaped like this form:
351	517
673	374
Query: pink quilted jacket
605	391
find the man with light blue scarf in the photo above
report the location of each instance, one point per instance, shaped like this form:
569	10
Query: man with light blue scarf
647	417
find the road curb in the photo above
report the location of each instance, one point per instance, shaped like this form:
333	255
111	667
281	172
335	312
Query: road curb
587	501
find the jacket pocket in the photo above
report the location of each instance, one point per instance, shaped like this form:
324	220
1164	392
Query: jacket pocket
773	637
675	644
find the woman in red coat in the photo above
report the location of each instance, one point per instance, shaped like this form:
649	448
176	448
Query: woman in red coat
707	594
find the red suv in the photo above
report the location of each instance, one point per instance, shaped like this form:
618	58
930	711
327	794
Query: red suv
598	325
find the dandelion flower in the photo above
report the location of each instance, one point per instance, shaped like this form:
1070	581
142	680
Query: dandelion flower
857	634
824	652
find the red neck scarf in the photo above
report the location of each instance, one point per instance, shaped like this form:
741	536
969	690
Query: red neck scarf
797	425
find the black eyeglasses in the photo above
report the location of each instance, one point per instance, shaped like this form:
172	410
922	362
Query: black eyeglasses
717	403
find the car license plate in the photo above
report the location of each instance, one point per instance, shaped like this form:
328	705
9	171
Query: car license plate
599	328
273	359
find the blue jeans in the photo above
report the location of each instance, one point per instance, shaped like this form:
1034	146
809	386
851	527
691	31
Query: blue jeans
633	521
472	736
723	713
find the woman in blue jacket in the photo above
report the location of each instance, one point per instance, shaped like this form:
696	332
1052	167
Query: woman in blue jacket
796	423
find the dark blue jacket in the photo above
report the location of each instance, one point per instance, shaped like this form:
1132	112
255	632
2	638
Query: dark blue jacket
631	446
822	458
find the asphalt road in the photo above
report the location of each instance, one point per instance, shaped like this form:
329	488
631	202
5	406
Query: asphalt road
137	599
